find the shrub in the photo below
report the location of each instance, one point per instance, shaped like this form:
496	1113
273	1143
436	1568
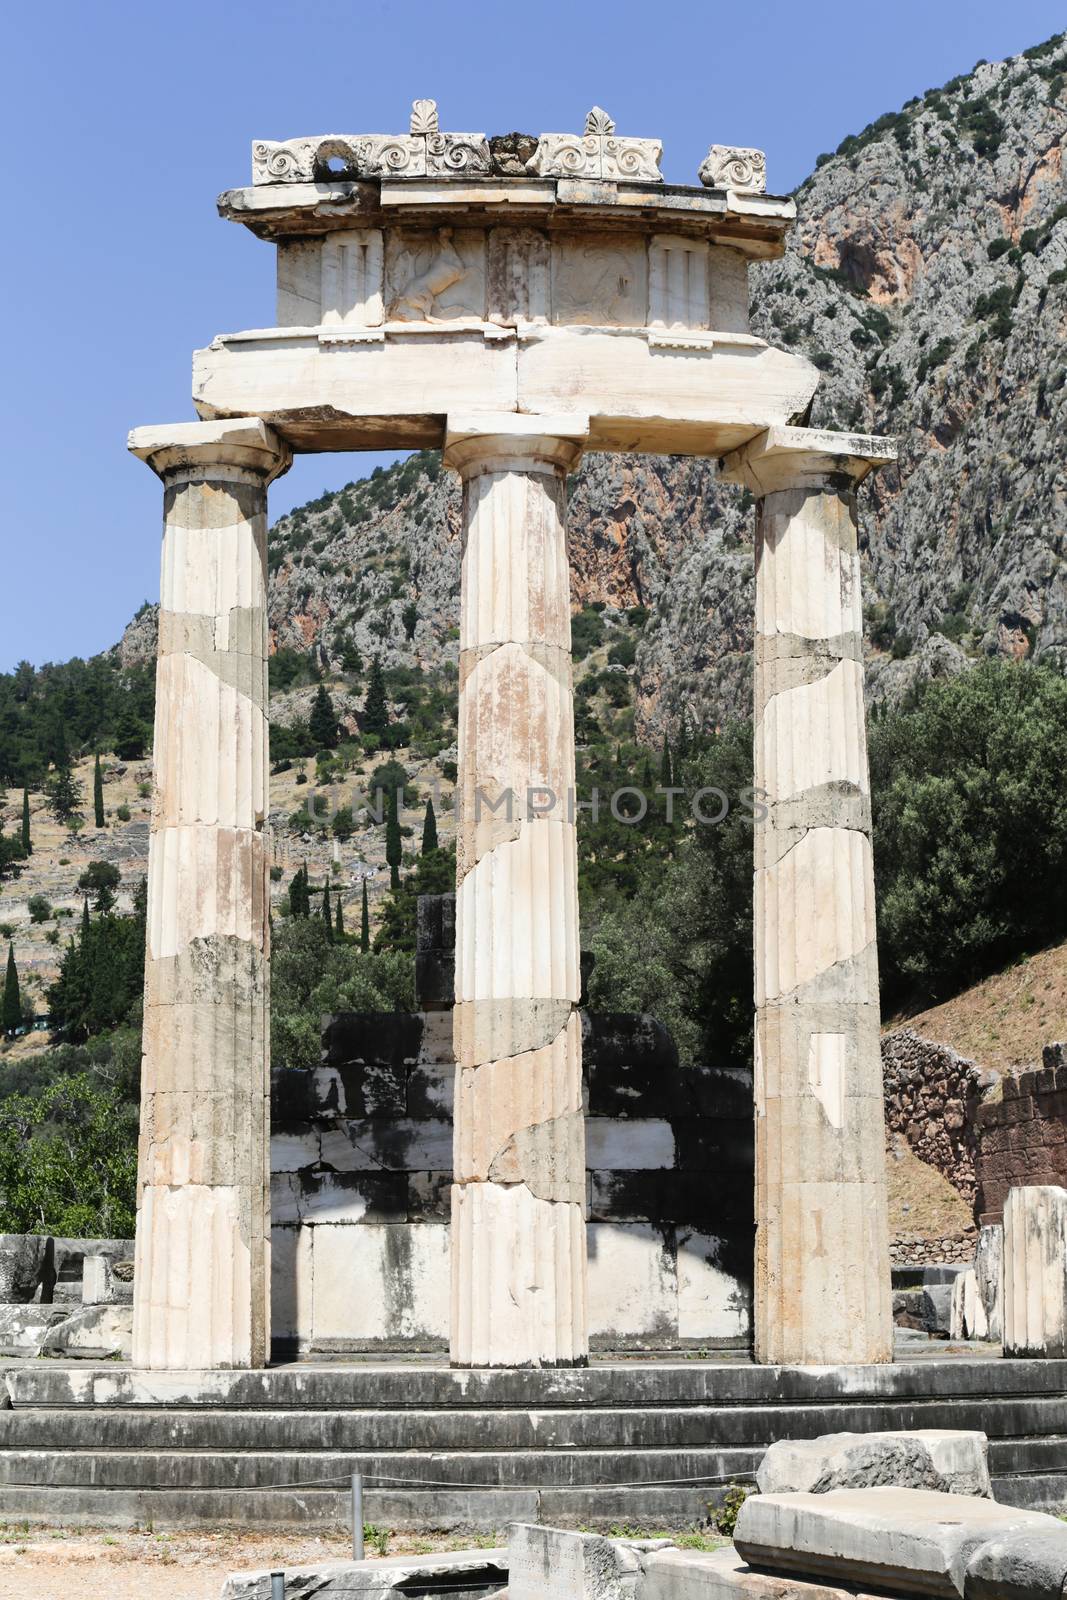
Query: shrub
123	812
39	907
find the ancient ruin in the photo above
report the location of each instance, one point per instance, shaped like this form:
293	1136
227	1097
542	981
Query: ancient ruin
515	306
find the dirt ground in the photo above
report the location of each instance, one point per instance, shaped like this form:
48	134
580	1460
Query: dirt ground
89	1564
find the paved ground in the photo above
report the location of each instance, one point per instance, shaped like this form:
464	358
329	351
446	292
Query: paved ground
84	1564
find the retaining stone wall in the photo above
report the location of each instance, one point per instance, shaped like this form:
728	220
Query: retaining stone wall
1022	1133
932	1097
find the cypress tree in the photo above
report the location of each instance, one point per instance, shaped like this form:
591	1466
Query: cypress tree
364	923
11	1012
85	916
394	848
27	843
429	829
339	921
323	720
327	911
98	793
375	717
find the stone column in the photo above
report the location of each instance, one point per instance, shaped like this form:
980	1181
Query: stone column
822	1248
202	1275
518	1200
1035	1272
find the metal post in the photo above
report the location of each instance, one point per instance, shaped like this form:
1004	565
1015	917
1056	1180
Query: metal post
357	1517
277	1586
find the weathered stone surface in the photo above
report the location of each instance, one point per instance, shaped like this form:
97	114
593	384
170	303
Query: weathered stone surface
463	1574
989	1269
519	1197
724	1575
23	1261
201	1296
912	1539
1020	1566
929	1458
556	1564
822	1245
1035	1272
967	1318
106	1281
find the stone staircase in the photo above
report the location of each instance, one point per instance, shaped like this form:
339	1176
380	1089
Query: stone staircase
626	1442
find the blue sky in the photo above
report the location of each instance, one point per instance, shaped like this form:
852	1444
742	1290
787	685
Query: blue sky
125	120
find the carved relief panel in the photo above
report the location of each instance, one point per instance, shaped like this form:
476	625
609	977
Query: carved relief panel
434	275
351	278
518	276
601	283
677	282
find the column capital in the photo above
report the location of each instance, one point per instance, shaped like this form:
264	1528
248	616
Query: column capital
805	458
247	444
510	441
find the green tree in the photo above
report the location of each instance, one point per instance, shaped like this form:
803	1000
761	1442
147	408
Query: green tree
68	1161
434	873
323	720
27	842
101	976
311	978
64	794
970	826
429	829
351	660
375	715
101	879
326	912
11	855
98	793
665	775
394	845
343	824
131	735
11	1016
339	922
364	922
299	897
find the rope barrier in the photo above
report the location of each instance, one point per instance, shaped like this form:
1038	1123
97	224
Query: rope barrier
709	1480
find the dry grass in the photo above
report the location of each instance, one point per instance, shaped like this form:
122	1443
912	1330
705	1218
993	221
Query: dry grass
922	1203
1004	1021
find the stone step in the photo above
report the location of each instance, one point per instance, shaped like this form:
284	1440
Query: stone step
402	1386
444	1510
477	1469
1008	1422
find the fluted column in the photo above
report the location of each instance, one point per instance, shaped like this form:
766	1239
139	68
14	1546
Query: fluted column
202	1278
518	1199
822	1247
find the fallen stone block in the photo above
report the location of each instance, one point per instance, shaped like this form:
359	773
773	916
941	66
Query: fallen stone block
724	1575
24	1260
967	1317
64	1282
935	1309
461	1574
92	1333
106	1281
556	1564
897	1539
23	1327
1020	1566
953	1462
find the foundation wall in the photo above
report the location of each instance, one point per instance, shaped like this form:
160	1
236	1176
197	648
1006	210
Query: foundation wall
361	1153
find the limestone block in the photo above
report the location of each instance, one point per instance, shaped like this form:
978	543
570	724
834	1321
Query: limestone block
728	290
677	282
92	1333
23	1260
935	1309
911	1539
519	276
730	167
629	1143
106	1281
989	1268
967	1318
633	1286
1035	1272
299	283
448	1571
712	1303
1020	1566
927	1458
23	1327
557	1564
390	1281
599	152
724	1575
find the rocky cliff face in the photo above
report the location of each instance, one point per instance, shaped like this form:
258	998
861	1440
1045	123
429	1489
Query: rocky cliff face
927	278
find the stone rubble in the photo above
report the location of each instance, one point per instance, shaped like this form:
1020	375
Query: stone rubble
930	1458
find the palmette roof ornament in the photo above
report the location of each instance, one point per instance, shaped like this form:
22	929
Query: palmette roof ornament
599	152
728	166
423	152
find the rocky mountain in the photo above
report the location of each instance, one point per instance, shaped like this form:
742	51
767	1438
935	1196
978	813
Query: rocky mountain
927	279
